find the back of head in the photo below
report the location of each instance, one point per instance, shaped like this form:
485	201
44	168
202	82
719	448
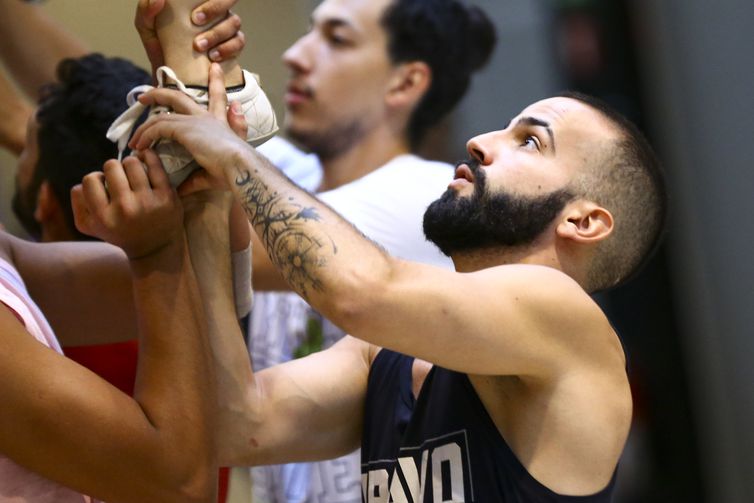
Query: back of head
74	115
452	37
626	178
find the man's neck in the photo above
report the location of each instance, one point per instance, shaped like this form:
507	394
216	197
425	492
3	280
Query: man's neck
369	154
535	254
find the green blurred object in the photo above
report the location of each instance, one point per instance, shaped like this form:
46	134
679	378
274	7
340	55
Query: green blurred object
314	339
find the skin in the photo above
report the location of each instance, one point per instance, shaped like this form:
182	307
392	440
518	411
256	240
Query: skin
174	25
156	446
539	352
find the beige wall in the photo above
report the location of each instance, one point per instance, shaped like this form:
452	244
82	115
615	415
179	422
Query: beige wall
107	27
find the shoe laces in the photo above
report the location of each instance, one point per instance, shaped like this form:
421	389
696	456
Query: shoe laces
122	127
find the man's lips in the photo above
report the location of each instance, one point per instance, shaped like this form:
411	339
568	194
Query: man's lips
297	93
464	171
463	177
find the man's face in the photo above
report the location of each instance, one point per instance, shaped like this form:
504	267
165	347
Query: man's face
340	72
519	180
25	198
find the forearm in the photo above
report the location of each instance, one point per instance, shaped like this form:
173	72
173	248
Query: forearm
321	256
208	234
176	33
33	44
14	114
175	382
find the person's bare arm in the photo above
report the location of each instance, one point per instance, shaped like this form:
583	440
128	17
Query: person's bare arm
15	111
509	320
67	424
266	277
33	44
308	409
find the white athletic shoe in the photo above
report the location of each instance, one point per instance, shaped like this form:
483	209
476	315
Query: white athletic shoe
178	163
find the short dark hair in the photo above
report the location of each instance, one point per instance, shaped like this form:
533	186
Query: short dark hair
625	177
74	115
454	39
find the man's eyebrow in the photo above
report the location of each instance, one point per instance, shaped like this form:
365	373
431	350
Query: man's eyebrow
330	22
533	121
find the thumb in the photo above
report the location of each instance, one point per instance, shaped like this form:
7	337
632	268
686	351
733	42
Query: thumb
237	120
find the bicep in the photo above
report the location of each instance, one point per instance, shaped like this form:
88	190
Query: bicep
510	320
308	409
84	289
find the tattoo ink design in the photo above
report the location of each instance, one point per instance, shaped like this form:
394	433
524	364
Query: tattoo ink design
296	253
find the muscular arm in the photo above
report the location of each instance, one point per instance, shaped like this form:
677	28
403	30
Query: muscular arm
507	320
309	409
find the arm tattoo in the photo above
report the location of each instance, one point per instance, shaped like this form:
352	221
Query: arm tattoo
294	251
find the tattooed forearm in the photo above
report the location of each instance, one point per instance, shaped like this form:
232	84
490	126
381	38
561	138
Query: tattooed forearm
296	251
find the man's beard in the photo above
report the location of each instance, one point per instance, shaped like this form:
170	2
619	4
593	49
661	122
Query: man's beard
331	142
23	207
486	219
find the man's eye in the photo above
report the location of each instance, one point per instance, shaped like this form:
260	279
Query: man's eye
531	142
337	40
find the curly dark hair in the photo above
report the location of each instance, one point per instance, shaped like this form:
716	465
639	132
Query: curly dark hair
454	39
73	116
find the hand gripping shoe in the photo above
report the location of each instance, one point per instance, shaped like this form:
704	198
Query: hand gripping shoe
178	163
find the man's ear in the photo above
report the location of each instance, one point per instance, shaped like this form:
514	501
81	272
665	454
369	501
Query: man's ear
585	222
409	83
48	206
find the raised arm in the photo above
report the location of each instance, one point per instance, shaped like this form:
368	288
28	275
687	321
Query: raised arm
33	44
508	320
15	111
69	425
308	409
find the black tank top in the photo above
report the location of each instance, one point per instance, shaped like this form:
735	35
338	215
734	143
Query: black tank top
441	447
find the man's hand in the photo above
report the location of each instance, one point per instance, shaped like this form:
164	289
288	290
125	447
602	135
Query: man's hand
128	207
206	134
223	40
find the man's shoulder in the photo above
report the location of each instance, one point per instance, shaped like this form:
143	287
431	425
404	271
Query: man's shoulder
548	294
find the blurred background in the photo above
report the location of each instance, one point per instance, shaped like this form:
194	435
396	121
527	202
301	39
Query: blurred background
684	71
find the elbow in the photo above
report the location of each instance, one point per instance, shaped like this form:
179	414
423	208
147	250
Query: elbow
198	486
189	475
359	298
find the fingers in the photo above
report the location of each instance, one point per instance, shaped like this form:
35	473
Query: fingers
116	179
237	120
136	174
230	49
146	12
211	10
158	178
218	98
152	130
223	40
81	215
173	99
